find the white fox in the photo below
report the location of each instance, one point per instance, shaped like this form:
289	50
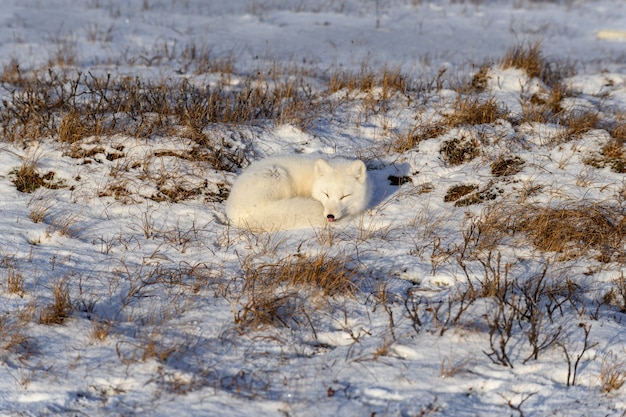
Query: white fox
291	191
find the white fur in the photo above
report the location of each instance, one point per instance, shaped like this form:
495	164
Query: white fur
291	191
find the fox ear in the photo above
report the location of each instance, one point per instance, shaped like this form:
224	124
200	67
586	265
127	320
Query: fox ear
359	170
321	168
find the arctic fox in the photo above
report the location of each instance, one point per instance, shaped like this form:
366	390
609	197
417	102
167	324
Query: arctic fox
291	191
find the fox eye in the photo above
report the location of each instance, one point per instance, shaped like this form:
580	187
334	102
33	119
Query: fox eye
345	196
325	194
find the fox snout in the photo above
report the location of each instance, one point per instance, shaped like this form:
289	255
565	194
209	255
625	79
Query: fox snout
334	213
336	209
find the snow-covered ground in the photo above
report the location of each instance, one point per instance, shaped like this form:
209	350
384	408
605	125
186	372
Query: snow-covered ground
156	325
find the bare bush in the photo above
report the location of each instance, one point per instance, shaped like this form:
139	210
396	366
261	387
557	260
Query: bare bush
86	105
574	362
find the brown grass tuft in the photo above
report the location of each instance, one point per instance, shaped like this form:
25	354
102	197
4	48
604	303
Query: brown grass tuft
545	108
100	330
480	79
467	110
612	373
614	156
471	110
342	80
528	57
617	295
525	56
614	149
393	80
14	279
612	153
61	306
331	275
580	122
618	131
27	179
14	341
73	127
410	139
389	80
570	229
279	292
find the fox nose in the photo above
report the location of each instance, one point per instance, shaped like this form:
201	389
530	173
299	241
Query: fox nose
331	218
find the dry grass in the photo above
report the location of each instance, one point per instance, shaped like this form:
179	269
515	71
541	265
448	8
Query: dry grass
363	81
471	110
393	80
561	229
388	80
547	108
575	123
612	153
467	110
571	230
279	292
13	278
15	282
73	108
617	295
60	307
64	52
618	130
100	330
27	179
81	111
14	340
11	73
73	127
66	223
528	57
449	368
578	123
612	373
373	91
331	275
410	139
153	348
480	79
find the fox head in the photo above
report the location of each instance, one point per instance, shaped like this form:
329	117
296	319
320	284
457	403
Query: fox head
341	186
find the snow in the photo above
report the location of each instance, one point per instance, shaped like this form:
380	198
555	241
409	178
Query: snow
158	278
